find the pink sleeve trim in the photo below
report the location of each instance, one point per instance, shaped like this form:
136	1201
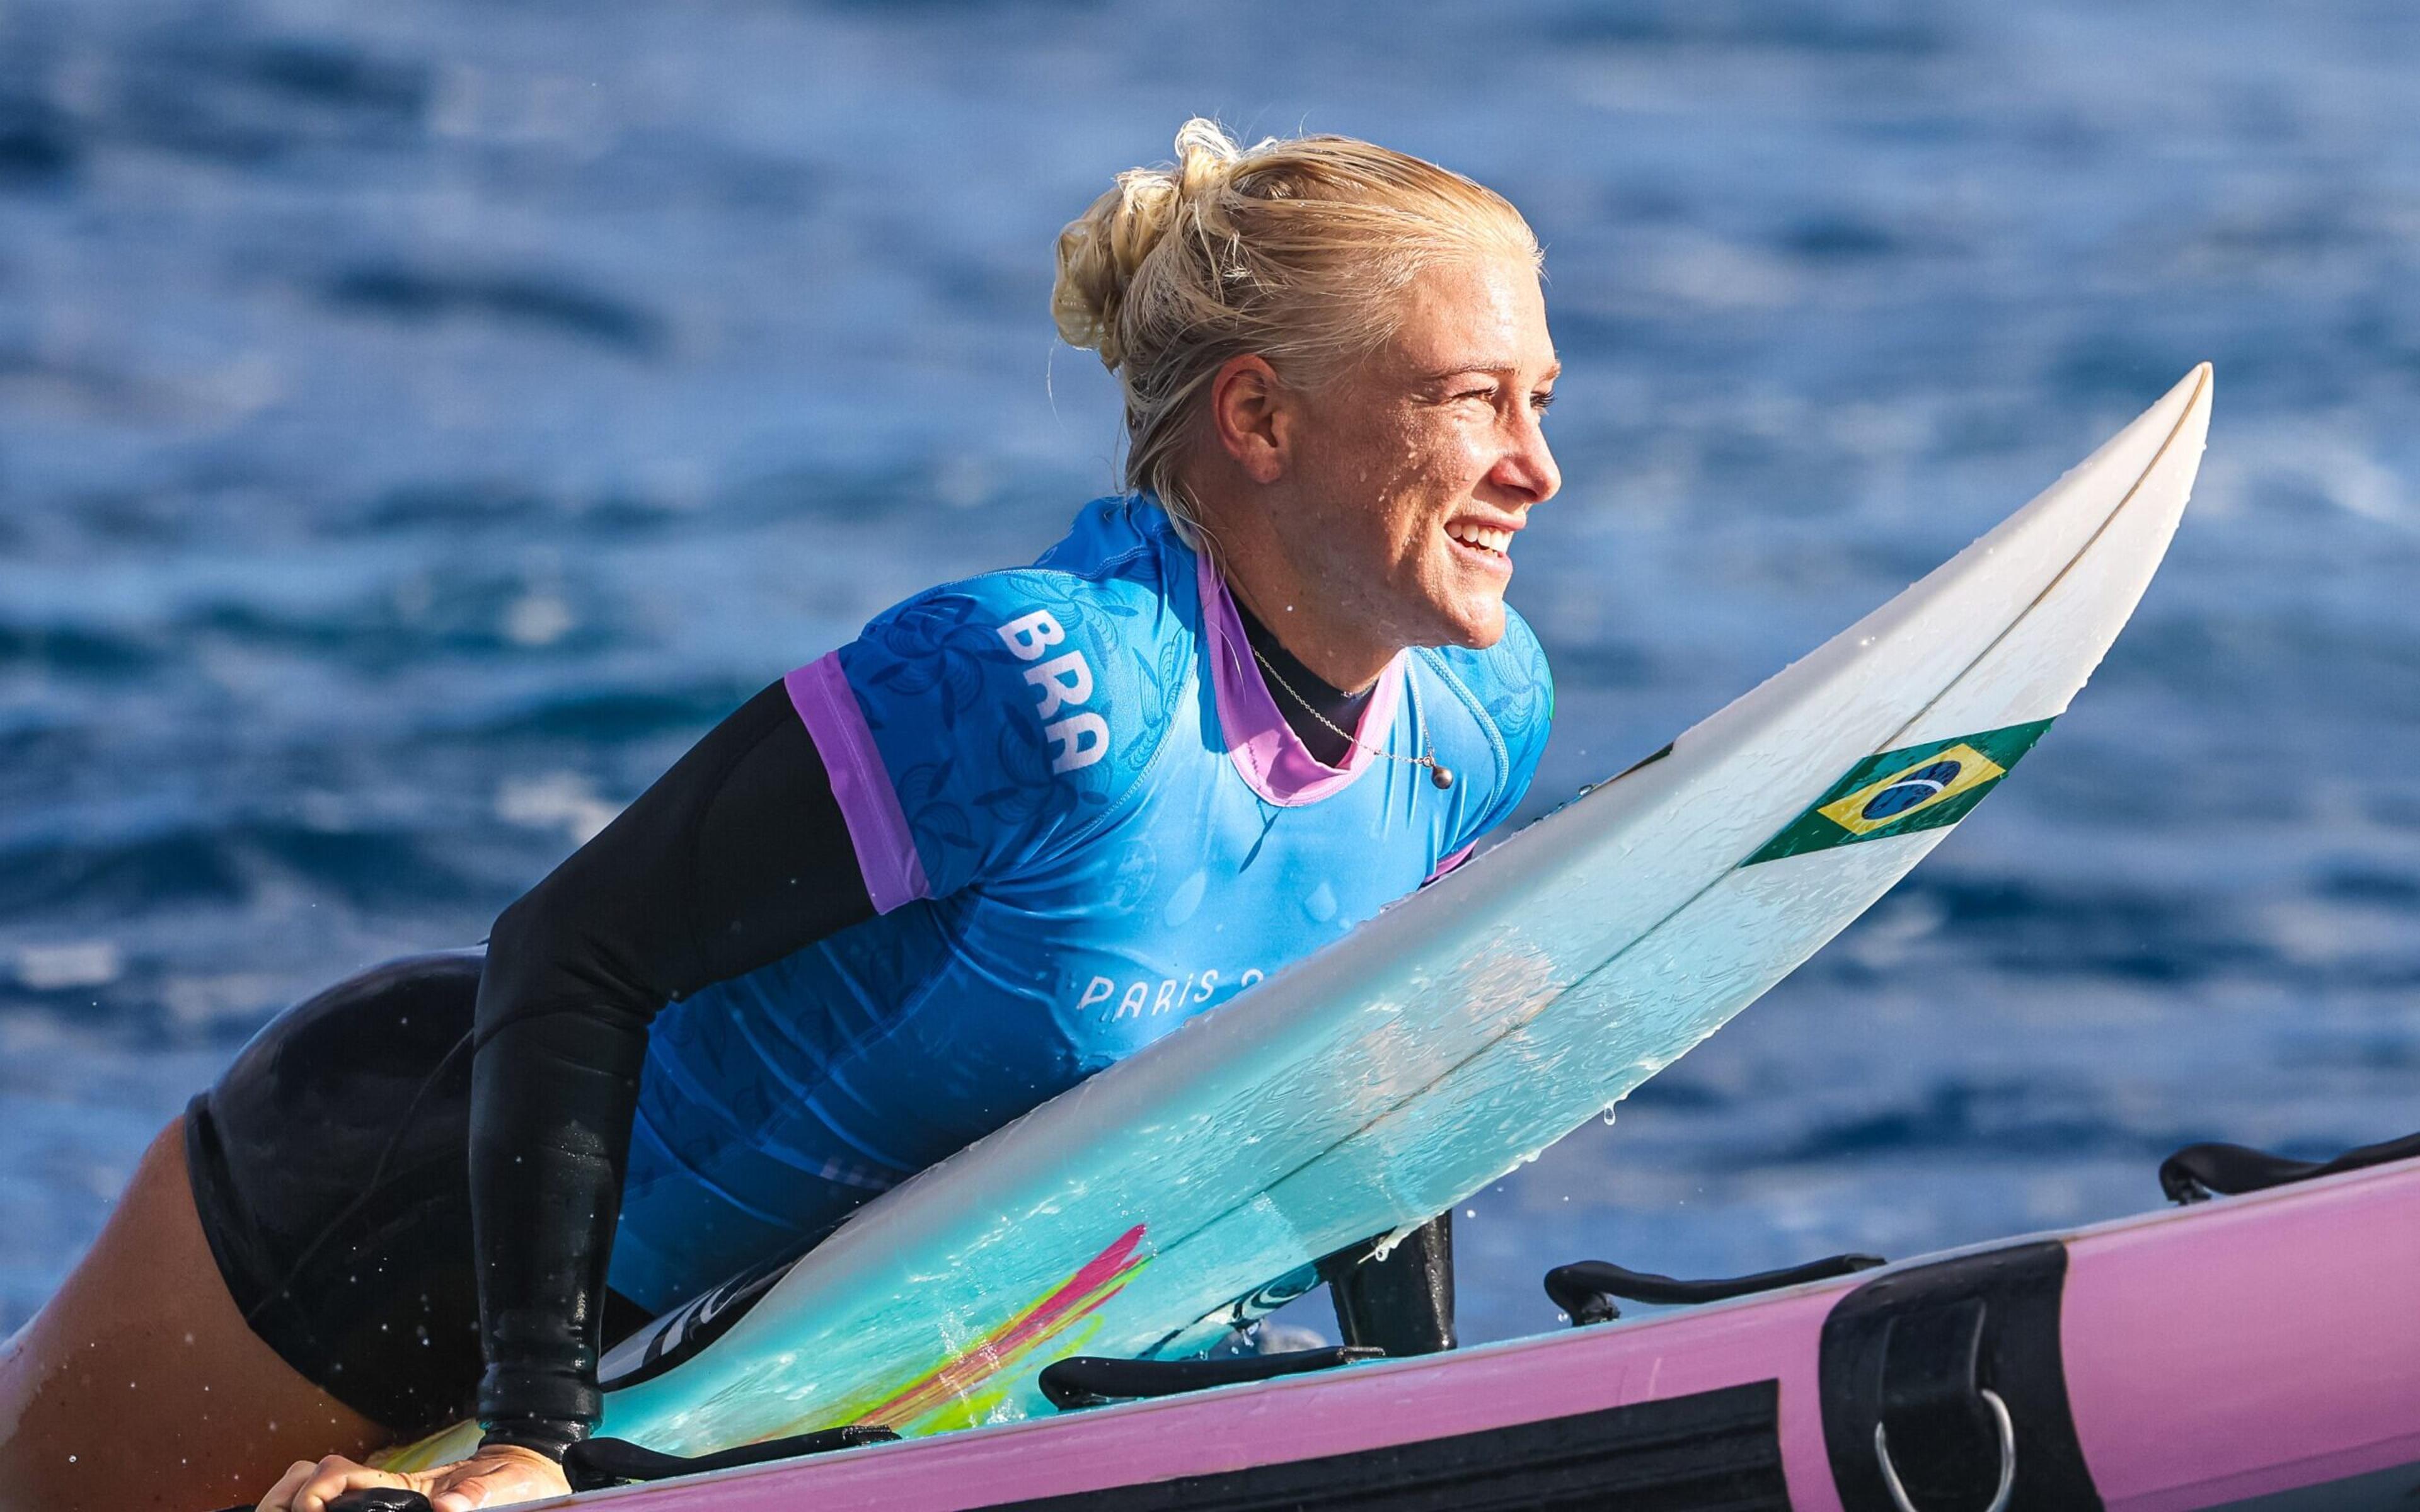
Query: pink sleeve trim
877	827
1451	861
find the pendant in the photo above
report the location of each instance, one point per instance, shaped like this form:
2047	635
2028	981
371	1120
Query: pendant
1441	776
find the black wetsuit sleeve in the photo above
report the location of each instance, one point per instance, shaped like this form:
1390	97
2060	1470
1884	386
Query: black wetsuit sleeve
737	857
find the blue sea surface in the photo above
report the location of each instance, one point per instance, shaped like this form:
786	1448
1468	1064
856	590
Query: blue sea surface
419	422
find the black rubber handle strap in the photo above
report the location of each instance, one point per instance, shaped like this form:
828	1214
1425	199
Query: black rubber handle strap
1088	1380
1584	1288
594	1464
1933	1373
2198	1172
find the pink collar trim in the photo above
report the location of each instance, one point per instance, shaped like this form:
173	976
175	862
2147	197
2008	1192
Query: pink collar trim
1273	759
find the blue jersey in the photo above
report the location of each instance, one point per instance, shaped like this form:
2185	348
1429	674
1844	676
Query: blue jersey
1082	821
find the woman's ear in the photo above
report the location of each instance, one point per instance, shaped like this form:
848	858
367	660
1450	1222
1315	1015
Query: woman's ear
1255	417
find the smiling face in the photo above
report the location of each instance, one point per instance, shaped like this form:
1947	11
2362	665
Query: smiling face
1406	478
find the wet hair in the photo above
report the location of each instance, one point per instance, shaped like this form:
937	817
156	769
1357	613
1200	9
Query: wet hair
1298	250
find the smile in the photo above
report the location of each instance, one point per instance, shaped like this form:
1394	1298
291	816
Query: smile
1481	538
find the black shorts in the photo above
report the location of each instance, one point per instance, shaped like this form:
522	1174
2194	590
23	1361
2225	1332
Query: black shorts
331	1169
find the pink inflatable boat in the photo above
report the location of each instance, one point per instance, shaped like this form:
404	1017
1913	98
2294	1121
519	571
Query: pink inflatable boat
2262	1350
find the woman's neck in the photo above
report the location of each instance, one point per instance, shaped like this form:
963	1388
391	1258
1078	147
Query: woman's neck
1320	714
1323	625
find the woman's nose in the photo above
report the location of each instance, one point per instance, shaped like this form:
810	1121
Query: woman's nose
1527	467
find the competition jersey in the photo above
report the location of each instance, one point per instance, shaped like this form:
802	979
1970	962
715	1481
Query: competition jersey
1082	820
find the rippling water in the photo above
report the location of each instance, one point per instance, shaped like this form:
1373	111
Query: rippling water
417	423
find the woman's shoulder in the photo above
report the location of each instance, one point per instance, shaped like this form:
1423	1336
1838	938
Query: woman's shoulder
1110	580
1081	657
1493	711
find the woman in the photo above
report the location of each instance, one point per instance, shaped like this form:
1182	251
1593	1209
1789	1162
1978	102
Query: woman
1021	826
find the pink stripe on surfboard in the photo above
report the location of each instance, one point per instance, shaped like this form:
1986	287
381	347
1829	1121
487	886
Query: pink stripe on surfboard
877	827
1366	1406
1095	1282
2277	1353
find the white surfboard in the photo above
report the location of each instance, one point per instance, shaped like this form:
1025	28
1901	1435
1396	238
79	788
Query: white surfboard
1452	1037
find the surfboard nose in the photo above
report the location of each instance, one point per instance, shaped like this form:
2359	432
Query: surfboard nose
2146	469
2202	384
2170	436
2188	397
2176	423
2190	403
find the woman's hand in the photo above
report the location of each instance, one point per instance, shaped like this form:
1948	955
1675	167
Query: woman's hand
501	1475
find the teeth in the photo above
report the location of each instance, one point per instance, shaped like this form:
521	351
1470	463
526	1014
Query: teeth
1481	536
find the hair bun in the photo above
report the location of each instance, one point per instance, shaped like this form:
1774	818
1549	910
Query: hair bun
1296	250
1100	250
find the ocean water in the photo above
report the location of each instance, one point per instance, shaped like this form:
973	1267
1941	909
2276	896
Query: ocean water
419	422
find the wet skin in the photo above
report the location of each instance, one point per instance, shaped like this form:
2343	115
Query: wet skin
1335	506
140	1385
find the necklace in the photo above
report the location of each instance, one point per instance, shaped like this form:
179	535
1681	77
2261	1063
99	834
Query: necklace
1440	775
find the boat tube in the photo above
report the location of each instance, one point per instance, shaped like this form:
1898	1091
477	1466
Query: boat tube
2258	1351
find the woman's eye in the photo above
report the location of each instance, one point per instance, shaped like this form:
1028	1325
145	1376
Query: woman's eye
1542	402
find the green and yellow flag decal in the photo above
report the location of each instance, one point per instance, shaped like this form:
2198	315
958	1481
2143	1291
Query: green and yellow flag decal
1900	791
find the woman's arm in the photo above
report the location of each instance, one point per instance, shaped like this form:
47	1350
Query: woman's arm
737	857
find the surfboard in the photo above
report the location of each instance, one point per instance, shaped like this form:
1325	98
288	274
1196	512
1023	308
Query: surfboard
1191	1188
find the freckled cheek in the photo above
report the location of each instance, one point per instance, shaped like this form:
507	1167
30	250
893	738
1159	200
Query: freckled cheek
1426	472
1443	476
1447	456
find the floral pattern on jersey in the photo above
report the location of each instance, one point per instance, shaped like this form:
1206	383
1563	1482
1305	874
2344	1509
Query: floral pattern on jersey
1519	695
1515	692
950	704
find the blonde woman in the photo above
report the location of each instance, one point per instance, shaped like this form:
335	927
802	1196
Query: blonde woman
1021	826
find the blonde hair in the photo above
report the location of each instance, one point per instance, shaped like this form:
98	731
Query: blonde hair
1296	250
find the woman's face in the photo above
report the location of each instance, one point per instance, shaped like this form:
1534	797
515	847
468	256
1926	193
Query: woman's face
1413	472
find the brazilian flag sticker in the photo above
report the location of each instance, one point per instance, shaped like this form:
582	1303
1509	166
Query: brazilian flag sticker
1901	791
